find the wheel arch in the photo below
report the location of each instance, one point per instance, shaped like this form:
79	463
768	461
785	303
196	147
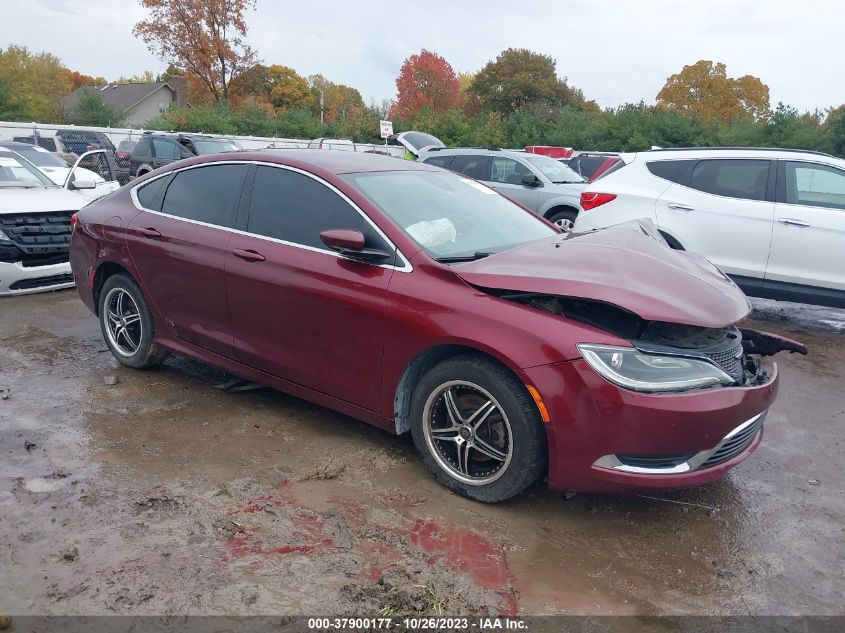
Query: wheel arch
551	211
420	364
105	270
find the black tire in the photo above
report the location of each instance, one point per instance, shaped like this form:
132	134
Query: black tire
560	217
142	330
143	169
527	446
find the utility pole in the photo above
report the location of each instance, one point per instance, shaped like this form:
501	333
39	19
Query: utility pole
321	106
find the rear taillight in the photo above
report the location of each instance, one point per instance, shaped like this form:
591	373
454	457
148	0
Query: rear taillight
73	220
590	200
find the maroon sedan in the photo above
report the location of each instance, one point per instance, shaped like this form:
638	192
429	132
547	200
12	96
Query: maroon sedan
418	300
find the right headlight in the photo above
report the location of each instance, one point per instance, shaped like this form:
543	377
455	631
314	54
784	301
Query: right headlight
630	368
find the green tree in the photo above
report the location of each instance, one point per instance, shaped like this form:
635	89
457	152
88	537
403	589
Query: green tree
834	130
287	89
40	81
92	110
10	108
518	78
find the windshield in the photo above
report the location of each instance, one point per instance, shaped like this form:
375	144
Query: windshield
40	157
552	169
450	216
17	172
213	146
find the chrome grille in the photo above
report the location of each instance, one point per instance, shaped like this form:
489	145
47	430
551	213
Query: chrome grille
730	361
732	446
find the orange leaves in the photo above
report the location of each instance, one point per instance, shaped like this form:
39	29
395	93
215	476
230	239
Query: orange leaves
704	89
204	37
426	79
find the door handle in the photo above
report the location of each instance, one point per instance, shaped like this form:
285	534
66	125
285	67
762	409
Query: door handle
792	222
149	233
680	207
248	255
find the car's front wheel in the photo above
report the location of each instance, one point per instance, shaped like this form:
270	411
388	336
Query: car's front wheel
127	324
477	429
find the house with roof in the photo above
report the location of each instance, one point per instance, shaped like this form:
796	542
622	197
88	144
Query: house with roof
140	101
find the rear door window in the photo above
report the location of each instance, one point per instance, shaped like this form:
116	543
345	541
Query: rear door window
205	194
677	171
474	166
439	161
151	195
142	149
744	179
166	149
814	185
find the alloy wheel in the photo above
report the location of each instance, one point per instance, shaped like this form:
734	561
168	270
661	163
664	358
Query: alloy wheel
123	322
565	223
468	432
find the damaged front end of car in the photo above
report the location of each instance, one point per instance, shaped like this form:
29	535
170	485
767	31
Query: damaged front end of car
666	356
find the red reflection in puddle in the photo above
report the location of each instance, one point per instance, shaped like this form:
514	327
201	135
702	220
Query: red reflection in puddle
469	552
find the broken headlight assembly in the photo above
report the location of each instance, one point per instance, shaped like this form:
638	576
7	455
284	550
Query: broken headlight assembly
630	368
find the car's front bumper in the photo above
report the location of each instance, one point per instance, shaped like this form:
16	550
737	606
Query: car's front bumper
17	279
598	430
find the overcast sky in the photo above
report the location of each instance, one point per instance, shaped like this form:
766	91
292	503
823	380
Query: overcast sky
614	50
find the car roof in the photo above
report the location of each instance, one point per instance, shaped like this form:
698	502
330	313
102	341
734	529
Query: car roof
334	162
16	144
694	152
482	151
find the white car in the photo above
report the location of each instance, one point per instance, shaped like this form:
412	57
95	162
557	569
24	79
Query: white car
35	227
772	219
57	170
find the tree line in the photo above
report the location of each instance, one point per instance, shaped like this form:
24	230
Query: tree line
516	99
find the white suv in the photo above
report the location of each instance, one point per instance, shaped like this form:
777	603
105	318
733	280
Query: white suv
773	219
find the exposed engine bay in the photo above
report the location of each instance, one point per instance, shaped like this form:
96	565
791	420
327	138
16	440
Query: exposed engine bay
736	351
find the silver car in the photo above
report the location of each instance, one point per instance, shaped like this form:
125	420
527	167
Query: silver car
544	185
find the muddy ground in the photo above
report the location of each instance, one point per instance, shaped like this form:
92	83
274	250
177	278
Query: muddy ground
164	494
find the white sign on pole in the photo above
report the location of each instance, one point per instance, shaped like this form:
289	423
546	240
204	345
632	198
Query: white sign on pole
386	128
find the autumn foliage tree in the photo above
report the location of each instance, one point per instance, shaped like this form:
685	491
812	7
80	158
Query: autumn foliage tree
206	38
705	90
425	80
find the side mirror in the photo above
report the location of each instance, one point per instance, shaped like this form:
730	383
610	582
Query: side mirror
83	184
343	239
530	180
350	243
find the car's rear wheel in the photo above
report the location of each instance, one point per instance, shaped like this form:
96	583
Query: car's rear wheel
127	325
477	429
564	219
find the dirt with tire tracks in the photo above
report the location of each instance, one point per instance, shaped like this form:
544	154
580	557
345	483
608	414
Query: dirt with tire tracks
164	494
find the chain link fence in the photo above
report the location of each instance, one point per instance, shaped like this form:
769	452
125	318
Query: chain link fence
66	143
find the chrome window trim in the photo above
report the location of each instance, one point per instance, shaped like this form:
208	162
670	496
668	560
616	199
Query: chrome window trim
611	462
405	267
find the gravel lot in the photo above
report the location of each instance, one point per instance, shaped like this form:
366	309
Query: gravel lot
163	494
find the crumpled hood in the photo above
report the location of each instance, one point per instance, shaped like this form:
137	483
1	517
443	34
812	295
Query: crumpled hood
628	265
19	200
